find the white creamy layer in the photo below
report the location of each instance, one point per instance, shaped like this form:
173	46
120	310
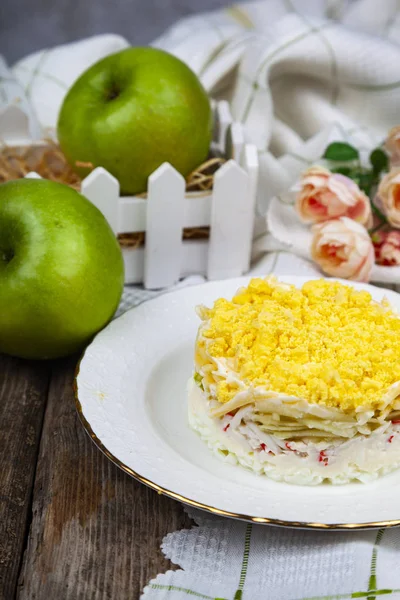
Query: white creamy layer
238	439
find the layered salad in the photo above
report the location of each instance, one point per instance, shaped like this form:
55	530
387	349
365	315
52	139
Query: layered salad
301	385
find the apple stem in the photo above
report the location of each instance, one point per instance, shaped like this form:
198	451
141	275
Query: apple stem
112	93
7	255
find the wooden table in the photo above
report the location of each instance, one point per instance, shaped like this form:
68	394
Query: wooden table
72	525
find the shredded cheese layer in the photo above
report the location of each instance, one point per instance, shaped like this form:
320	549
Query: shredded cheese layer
326	343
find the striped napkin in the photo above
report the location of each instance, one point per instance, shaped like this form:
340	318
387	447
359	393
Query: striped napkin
222	559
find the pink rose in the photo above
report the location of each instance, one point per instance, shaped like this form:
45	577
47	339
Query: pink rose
343	248
392	145
387	247
388	196
323	195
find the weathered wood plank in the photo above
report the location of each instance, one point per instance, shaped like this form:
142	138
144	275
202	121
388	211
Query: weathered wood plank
23	395
95	532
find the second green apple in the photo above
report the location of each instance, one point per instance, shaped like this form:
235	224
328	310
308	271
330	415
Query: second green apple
132	111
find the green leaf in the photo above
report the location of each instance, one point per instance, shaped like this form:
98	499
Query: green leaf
343	171
341	152
379	160
366	181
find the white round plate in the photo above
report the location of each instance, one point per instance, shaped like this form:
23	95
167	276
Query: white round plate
131	397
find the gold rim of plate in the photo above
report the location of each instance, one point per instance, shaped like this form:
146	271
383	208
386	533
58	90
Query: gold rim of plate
206	507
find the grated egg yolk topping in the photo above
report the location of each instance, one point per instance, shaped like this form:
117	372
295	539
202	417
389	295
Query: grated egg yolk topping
326	342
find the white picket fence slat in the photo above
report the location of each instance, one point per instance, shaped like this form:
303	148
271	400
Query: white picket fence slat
102	189
14	126
234	142
165	206
229	214
223	120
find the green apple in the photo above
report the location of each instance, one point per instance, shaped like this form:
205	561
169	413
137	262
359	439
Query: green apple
132	111
61	269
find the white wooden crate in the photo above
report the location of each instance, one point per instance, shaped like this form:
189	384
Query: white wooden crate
228	210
